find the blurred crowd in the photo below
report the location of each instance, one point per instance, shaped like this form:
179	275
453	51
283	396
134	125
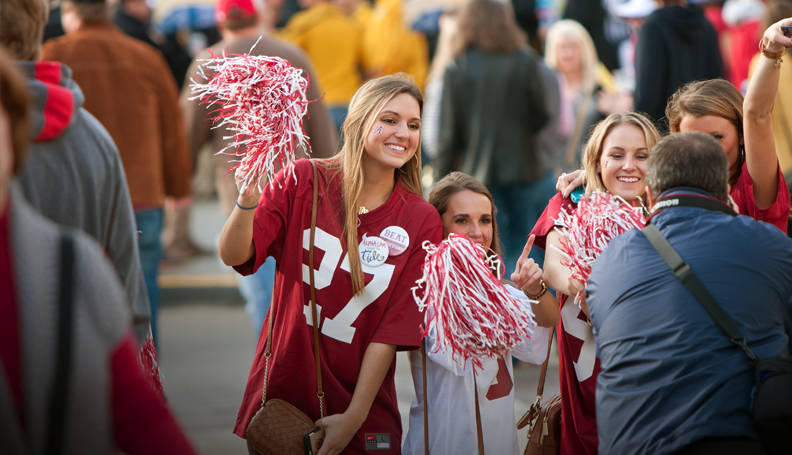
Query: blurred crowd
112	150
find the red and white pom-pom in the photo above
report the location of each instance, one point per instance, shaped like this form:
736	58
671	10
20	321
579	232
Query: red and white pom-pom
150	365
473	314
589	229
263	101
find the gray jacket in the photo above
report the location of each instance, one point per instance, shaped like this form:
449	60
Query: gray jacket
73	175
100	319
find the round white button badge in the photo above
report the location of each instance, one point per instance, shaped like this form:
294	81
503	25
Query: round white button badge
397	239
373	251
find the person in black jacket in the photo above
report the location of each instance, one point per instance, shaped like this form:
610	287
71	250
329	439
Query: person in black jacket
676	45
491	111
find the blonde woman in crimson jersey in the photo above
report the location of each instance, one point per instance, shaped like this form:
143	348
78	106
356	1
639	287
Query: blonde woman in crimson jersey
365	307
466	207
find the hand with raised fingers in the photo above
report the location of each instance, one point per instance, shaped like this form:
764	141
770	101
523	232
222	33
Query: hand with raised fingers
568	182
527	274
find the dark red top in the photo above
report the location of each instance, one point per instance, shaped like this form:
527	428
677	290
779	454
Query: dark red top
777	214
385	312
578	366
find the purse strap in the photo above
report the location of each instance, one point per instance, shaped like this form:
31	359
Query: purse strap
685	274
60	397
540	388
479	433
478	415
425	401
268	349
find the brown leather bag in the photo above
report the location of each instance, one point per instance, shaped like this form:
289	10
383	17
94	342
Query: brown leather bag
544	432
279	428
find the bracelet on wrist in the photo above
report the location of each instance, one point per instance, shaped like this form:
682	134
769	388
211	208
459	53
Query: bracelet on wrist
246	208
772	55
540	294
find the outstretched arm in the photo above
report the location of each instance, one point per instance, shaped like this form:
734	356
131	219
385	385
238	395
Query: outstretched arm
341	428
760	152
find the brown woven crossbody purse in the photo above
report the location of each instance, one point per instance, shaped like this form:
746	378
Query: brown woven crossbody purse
279	428
544	432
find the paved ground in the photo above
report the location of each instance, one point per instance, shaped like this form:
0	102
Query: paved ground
207	347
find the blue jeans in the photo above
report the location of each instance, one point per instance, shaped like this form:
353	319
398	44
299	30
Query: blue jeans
149	222
519	208
256	289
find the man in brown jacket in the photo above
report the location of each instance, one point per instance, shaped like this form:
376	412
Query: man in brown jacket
129	89
242	23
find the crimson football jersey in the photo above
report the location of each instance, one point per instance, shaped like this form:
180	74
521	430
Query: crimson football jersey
578	365
385	312
777	214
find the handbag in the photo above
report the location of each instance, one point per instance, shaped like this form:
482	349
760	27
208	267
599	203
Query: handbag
278	428
479	434
771	397
543	420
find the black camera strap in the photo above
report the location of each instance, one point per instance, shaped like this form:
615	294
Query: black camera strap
685	274
690	200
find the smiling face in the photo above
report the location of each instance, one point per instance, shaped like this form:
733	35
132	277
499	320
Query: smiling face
395	134
469	214
623	162
719	128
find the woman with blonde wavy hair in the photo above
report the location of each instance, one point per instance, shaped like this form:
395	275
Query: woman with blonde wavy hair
370	226
615	160
588	91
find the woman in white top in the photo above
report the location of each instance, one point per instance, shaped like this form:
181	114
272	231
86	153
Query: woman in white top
466	207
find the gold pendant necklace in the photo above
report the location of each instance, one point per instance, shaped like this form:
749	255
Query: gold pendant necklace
362	210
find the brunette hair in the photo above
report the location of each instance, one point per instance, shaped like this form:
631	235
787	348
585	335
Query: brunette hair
715	97
776	11
88	12
363	110
593	148
22	27
14	100
456	182
490	26
588	52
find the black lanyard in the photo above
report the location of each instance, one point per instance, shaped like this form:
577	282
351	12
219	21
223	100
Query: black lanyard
688	200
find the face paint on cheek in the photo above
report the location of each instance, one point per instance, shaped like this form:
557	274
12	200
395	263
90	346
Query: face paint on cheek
606	164
379	130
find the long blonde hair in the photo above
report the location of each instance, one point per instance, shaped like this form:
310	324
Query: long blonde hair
593	149
588	52
363	109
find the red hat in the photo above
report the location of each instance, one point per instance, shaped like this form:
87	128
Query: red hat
234	10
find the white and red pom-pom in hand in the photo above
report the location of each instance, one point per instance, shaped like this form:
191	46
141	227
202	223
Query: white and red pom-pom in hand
590	227
473	314
150	365
262	101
